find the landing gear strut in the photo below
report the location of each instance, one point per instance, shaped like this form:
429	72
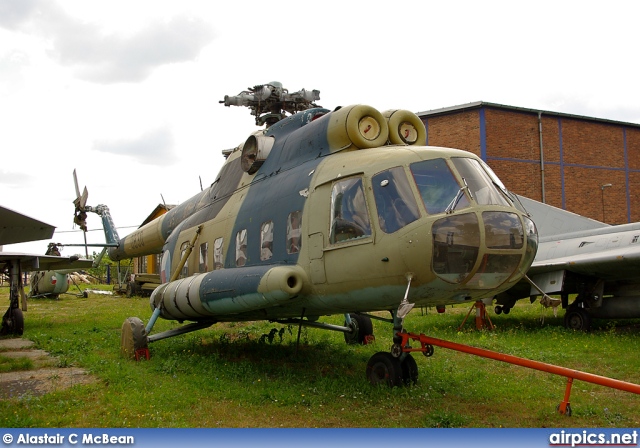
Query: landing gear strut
13	319
13	322
395	368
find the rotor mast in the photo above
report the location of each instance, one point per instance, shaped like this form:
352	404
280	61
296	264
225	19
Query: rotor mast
269	102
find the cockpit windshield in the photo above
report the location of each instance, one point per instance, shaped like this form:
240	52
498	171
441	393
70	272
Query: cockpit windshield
481	185
437	185
395	202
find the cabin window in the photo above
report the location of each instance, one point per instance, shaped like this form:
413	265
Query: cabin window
395	202
349	214
204	254
266	240
481	186
437	185
218	260
185	269
241	248
294	232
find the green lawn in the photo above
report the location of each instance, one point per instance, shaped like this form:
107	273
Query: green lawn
247	375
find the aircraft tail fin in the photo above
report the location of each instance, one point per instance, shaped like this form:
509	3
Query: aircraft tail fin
553	221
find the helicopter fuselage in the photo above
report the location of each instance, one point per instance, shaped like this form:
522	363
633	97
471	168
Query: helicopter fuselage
312	217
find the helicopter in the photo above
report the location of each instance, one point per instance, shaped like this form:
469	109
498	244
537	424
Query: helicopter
325	212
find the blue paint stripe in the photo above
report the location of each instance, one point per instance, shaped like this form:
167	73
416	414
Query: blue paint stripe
426	126
483	135
571	165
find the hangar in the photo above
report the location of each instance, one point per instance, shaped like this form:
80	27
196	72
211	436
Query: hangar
589	166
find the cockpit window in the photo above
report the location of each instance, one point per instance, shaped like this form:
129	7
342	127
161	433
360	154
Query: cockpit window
437	185
349	214
481	187
456	244
503	230
395	202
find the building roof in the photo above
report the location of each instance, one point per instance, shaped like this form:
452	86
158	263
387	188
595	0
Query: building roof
481	104
160	209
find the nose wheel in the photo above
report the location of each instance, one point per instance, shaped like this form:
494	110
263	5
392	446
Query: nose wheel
385	369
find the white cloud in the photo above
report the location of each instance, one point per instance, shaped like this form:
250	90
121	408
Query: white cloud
14	13
106	57
127	92
155	147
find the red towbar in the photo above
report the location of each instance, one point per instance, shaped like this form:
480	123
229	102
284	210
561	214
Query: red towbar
428	342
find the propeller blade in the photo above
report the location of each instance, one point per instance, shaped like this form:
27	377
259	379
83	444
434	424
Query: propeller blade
75	181
83	198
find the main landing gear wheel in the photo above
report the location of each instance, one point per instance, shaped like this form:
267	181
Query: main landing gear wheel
361	326
384	368
577	319
499	309
409	370
13	322
133	337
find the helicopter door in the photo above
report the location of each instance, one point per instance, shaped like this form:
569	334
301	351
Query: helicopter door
316	224
316	243
349	246
340	232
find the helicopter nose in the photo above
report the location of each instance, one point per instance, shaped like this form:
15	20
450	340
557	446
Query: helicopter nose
483	250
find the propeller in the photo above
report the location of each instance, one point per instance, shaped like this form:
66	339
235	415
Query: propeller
80	214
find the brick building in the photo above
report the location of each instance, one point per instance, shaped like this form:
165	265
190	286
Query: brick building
588	166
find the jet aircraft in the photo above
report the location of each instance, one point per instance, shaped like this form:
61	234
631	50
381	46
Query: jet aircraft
18	228
595	261
324	212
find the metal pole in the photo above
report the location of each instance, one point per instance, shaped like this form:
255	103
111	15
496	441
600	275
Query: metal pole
537	365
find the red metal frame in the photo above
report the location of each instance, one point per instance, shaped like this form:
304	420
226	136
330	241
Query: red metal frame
482	317
564	408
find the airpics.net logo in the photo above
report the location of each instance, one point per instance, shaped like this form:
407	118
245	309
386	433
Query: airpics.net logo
586	438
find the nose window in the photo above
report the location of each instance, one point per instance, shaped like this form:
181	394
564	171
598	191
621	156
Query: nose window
503	230
456	242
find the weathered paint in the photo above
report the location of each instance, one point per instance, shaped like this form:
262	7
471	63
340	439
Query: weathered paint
311	151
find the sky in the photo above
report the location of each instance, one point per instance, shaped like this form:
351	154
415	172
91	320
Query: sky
127	92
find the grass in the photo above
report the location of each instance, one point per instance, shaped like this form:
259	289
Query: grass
251	374
12	364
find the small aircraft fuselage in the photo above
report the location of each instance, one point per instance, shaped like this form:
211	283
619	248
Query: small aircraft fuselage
48	284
